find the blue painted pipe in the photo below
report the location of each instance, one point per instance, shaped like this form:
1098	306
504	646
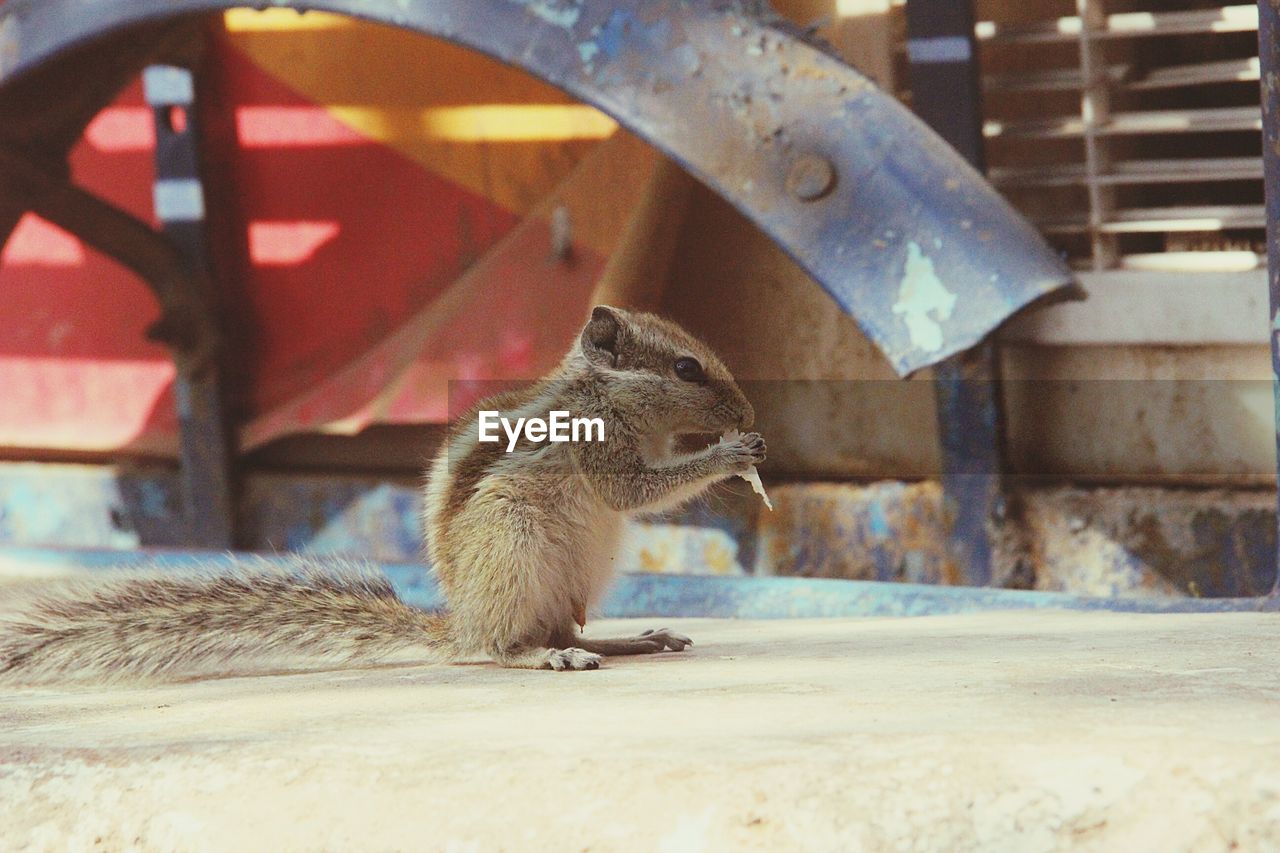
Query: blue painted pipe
675	596
1269	59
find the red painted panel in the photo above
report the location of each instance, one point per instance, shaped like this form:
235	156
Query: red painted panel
345	237
75	369
336	245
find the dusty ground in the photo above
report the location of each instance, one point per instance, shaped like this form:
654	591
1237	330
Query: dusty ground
1010	731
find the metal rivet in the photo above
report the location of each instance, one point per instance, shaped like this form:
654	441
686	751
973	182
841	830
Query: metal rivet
810	177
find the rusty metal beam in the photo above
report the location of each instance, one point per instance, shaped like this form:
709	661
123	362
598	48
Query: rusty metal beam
44	113
207	442
185	324
947	95
1269	57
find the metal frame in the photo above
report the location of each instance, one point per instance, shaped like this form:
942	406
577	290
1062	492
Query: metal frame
837	173
206	437
946	93
840	175
1269	59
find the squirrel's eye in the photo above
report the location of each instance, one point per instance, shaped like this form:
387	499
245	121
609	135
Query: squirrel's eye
689	370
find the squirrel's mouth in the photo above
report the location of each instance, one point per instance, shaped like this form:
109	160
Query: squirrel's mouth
693	441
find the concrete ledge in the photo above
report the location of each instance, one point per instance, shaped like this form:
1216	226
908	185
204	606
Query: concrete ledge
1008	731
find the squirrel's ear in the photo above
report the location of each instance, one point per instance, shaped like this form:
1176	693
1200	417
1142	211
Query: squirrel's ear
601	335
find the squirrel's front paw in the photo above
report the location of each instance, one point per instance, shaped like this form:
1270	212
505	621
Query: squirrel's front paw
563	659
743	451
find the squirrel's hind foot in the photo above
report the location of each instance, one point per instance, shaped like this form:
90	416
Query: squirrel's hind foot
561	660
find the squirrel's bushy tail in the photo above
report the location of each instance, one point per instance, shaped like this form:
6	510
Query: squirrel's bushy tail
152	625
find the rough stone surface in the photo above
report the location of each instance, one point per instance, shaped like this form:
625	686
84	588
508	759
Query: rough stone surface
1009	731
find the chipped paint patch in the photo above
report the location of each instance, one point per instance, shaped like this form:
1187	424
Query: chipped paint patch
587	51
558	13
623	30
924	303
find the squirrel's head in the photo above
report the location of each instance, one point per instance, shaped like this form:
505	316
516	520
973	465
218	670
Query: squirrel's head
663	375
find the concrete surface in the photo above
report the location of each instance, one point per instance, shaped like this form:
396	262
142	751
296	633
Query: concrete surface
1007	731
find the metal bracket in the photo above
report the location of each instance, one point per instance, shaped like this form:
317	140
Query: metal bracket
185	324
173	265
207	440
1269	57
944	78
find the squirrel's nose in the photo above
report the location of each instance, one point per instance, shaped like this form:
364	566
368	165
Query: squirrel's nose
748	418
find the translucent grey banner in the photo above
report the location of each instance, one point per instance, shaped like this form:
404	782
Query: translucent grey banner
1126	431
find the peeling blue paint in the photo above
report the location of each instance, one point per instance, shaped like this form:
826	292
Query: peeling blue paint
875	518
611	35
623	31
697	596
152	498
889	531
559	13
924	303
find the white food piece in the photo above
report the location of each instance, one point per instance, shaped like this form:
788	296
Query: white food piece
751	475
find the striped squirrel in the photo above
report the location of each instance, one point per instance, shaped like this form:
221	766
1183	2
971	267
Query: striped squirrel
523	543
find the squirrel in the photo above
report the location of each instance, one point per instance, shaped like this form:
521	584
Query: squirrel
522	541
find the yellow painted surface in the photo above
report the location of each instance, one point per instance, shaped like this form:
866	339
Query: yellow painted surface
516	123
277	20
487	127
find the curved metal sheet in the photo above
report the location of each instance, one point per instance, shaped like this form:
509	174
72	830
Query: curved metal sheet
901	232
